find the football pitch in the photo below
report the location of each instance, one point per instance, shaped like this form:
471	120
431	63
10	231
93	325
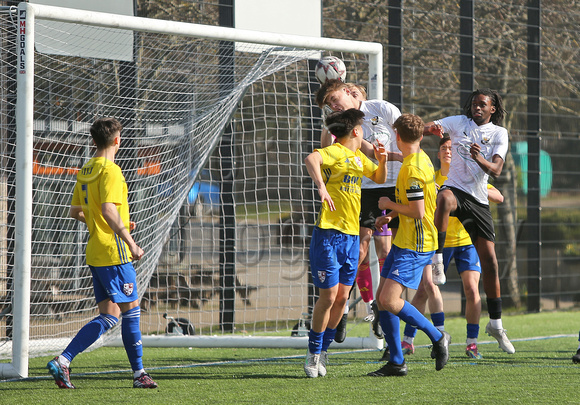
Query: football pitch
540	372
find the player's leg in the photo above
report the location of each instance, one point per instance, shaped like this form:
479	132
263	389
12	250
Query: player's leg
419	301
446	203
491	286
470	280
59	367
128	301
404	268
390	326
365	235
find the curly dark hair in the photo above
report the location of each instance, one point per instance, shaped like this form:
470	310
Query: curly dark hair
496	100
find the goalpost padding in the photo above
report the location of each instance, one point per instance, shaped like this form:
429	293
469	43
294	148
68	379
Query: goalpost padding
174	114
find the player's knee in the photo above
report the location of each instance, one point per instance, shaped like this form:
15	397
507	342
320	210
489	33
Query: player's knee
471	293
107	321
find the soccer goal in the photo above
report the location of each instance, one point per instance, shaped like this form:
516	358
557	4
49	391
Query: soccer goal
217	123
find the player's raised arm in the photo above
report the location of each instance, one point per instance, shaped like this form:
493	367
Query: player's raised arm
433	129
380	154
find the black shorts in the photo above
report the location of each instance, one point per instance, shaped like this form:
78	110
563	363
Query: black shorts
475	216
369	206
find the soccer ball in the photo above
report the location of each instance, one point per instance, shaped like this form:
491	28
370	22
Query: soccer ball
330	67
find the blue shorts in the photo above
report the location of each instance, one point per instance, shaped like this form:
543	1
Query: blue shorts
119	283
405	266
466	258
333	257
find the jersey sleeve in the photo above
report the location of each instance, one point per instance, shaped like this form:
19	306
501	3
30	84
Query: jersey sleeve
76	197
415	189
111	186
501	145
369	167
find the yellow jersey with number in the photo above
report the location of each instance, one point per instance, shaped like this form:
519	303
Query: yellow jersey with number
342	172
416	181
101	181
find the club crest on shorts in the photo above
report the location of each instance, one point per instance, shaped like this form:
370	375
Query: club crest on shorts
128	288
322	276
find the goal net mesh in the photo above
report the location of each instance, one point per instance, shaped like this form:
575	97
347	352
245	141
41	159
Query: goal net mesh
211	129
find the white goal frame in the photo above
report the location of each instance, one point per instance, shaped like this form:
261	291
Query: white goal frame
27	13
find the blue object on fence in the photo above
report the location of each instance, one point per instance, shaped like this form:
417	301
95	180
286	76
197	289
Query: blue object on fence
520	153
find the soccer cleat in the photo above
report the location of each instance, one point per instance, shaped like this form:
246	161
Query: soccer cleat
144	381
576	357
386	354
441	351
433	354
408	348
60	372
311	364
438	270
341	329
471	351
322	361
501	337
369	318
377	330
390	369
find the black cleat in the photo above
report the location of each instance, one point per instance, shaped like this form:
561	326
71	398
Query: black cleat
390	370
433	354
386	354
341	329
576	357
441	351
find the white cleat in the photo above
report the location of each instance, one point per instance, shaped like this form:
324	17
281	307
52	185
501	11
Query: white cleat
438	270
501	337
311	364
322	361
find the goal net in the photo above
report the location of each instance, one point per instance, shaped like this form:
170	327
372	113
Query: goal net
217	123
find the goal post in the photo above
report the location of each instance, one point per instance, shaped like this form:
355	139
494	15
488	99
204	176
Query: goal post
170	98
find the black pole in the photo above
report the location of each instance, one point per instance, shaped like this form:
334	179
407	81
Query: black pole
466	69
534	224
395	54
228	213
466	45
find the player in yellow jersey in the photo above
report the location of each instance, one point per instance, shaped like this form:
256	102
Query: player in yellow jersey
100	201
458	246
412	250
337	172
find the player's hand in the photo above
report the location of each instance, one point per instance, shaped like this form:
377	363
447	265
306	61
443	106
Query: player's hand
385	203
436	129
324	196
136	252
381	153
475	150
382	221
